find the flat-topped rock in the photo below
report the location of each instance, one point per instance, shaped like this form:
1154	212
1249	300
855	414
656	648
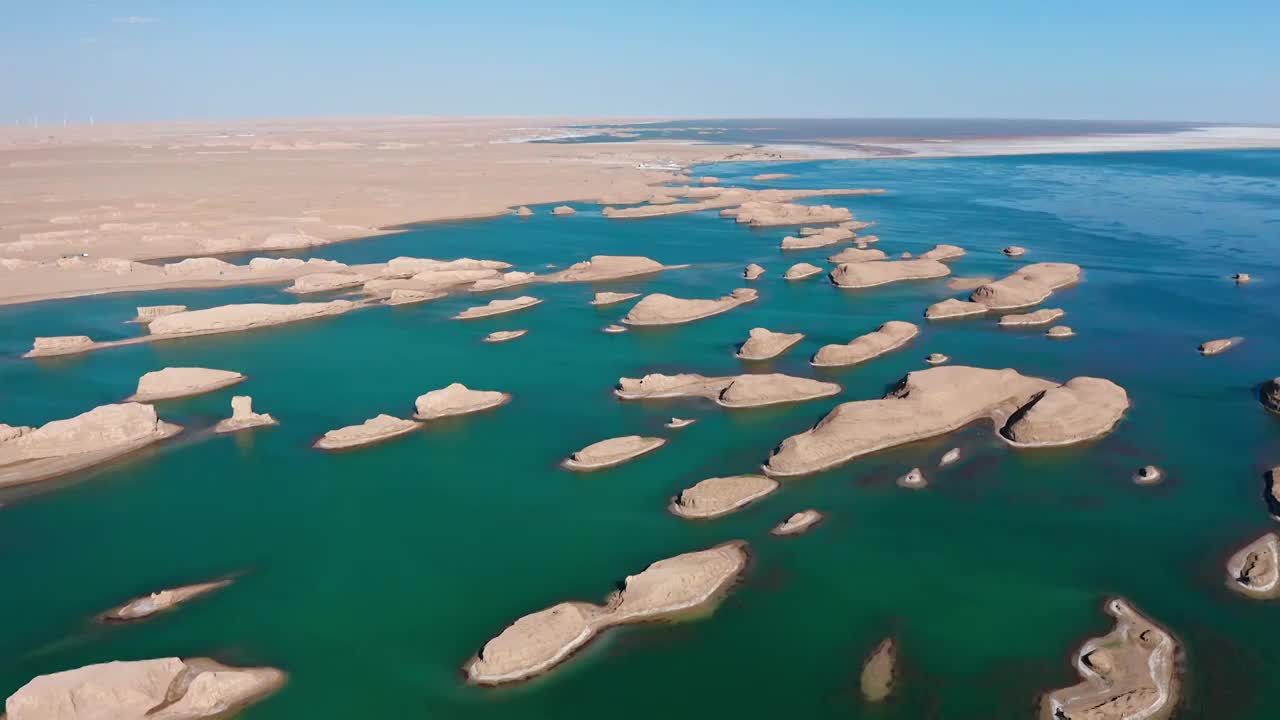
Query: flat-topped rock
662	309
175	382
821	238
404	296
498	307
1269	395
523	211
243	417
499	336
740	391
613	451
1014	251
890	336
234	318
1213	347
614	329
562	210
145	606
1128	674
943	252
721	495
1030	285
752	272
798	523
1254	570
763	213
1044	316
59	345
939	400
1060	331
883	272
878	672
603	268
147	313
953	308
800	271
374	430
857	255
765	344
1081	409
539	641
936	358
326	282
612	298
456	399
159	689
506	280
968	283
91	438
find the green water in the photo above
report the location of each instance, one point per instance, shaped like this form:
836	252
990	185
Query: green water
371	576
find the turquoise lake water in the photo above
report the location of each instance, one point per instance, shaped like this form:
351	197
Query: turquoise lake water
371	576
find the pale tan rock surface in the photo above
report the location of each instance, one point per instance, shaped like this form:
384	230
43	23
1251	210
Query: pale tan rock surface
563	210
1030	285
374	430
498	307
235	318
856	255
752	272
614	329
147	313
968	283
456	399
953	308
770	176
603	268
1270	395
243	417
506	280
740	391
883	272
1060	331
721	495
822	238
943	252
776	214
936	358
1241	278
175	382
613	451
523	211
612	298
878	672
1081	409
800	271
1044	316
326	282
1254	570
765	344
60	345
913	480
1128	674
1213	347
160	689
539	641
932	402
1148	475
797	523
499	336
662	309
676	423
950	457
773	205
401	296
404	266
145	606
709	180
1014	251
889	337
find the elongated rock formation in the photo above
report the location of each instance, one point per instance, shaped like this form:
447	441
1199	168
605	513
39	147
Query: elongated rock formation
175	382
857	255
800	271
612	298
59	345
968	283
160	689
501	336
92	438
721	495
326	282
1043	316
762	213
504	281
883	272
1254	571
939	400
498	307
660	309
752	272
603	268
890	336
538	642
797	523
141	608
1213	347
822	238
878	672
374	430
943	252
740	391
613	451
233	318
147	313
1128	674
765	344
456	399
953	308
1030	285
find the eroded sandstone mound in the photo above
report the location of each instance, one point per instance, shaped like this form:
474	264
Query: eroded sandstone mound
1080	409
822	238
539	641
145	606
1128	674
943	252
800	271
857	255
1044	316
498	307
506	280
326	282
613	451
883	272
232	318
763	344
612	298
456	399
147	313
890	336
59	345
968	283
374	430
721	495
1213	347
562	210
797	523
661	309
953	308
1030	285
740	391
175	382
878	672
603	268
1254	571
752	272
501	336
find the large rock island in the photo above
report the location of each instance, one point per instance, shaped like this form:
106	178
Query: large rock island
891	336
883	272
661	309
720	495
176	382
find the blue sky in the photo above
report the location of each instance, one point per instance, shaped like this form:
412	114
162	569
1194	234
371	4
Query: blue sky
1135	59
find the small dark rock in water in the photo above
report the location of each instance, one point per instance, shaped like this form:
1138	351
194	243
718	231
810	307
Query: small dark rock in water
1241	278
913	480
1148	475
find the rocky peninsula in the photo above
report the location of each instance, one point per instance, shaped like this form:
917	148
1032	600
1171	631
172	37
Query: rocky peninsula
456	399
613	451
737	391
762	344
721	495
662	309
1254	571
176	382
498	307
538	642
145	606
374	430
883	272
1080	409
890	336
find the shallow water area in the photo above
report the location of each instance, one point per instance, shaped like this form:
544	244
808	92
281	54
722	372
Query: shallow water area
371	575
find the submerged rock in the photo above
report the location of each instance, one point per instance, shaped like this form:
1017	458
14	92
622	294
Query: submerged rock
721	495
613	329
498	307
953	308
913	480
890	336
797	523
661	309
1254	571
739	391
800	271
613	451
243	417
456	399
765	344
770	176
1043	316
1014	251
1128	674
145	606
612	298
1213	347
883	272
1081	409
175	382
752	272
537	642
374	430
1030	285
878	672
499	336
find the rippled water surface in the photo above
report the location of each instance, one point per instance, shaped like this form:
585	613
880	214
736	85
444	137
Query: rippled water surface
371	576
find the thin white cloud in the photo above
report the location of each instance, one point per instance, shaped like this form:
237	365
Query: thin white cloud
134	20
